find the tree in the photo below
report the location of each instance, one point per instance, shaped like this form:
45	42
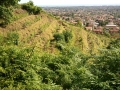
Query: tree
5	15
8	3
6	10
30	8
106	68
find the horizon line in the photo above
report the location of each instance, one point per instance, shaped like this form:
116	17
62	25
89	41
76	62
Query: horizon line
73	5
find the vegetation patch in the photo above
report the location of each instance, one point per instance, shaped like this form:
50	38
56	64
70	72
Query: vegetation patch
31	8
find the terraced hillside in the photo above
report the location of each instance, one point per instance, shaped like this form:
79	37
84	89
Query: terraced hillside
38	31
41	52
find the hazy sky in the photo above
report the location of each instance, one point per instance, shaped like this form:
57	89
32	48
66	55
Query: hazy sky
73	2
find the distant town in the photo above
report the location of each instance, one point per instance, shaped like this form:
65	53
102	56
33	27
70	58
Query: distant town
98	19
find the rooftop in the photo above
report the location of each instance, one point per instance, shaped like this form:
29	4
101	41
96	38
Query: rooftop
111	24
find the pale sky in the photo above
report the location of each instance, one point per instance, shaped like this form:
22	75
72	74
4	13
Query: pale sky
73	2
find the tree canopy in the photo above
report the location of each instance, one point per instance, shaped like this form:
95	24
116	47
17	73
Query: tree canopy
31	8
7	3
6	10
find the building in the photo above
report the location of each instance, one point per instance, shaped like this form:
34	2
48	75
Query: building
112	28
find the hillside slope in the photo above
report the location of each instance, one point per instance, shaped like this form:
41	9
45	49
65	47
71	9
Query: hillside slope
38	30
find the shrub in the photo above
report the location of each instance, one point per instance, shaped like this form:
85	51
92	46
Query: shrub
31	8
12	38
58	36
114	44
5	15
6	10
65	36
68	35
107	68
60	46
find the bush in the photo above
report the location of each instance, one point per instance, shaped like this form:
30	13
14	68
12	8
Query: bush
60	46
114	44
58	37
20	69
5	15
65	36
107	68
31	8
12	38
6	10
68	35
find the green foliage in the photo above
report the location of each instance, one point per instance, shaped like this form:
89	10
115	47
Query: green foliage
5	10
8	3
12	38
106	33
102	23
107	68
5	15
65	36
79	23
1	40
58	37
24	68
62	39
60	46
31	8
83	79
114	44
68	35
20	68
